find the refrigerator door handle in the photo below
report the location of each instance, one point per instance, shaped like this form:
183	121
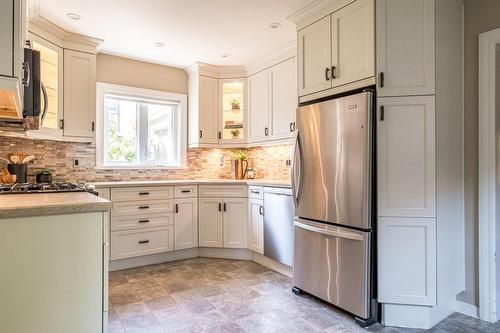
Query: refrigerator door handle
296	170
327	232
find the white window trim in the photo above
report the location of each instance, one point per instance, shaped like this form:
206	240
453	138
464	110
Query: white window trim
108	88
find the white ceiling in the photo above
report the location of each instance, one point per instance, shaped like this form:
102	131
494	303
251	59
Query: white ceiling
192	30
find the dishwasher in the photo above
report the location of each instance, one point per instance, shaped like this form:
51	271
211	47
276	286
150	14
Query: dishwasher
278	224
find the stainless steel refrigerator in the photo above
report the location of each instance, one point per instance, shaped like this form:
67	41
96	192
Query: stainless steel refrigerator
332	190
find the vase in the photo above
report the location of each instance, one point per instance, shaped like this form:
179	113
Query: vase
20	170
239	168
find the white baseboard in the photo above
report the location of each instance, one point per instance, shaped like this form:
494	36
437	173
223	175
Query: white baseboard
272	264
467	309
152	259
213	252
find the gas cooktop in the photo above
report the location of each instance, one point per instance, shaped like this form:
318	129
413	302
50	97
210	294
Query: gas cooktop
20	188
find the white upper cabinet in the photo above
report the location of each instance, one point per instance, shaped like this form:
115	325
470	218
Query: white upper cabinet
185	223
315	57
258	100
405	47
210	222
235	222
353	43
406	157
338	49
232	111
284	99
79	93
51	76
203	110
12	37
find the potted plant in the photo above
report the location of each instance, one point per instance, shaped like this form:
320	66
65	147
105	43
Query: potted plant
235	104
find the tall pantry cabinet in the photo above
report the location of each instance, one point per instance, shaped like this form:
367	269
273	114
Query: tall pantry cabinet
419	159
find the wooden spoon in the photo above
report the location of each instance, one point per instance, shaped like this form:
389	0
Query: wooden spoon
14	159
28	159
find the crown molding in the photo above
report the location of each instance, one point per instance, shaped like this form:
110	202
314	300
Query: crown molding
315	11
217	72
287	51
45	29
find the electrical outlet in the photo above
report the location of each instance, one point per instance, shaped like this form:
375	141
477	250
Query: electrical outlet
288	162
76	162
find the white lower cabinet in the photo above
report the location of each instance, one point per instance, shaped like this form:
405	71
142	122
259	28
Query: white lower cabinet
134	243
223	222
185	223
210	225
256	225
407	261
235	222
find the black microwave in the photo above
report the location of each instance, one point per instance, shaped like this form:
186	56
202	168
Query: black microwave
32	84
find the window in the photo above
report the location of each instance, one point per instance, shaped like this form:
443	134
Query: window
140	128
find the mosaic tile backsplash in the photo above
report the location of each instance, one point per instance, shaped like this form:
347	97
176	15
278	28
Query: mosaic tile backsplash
202	163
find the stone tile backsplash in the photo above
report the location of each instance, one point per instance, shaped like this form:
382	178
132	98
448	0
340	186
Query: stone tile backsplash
269	161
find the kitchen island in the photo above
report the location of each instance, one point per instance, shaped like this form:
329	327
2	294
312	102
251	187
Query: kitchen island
53	250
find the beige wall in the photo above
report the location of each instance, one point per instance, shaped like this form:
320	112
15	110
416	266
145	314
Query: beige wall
480	16
129	72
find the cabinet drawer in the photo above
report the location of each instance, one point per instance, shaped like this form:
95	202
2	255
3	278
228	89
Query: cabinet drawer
142	208
226	191
139	222
185	191
142	193
256	192
133	243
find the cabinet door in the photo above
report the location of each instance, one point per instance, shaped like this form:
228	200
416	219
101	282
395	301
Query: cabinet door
208	109
314	42
79	93
233	110
353	43
186	223
409	276
256	225
235	222
284	99
405	47
258	98
51	75
12	37
406	157
210	225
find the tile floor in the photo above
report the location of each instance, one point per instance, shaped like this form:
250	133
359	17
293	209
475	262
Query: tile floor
217	295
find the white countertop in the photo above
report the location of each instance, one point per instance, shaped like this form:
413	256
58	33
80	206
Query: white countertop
257	182
38	204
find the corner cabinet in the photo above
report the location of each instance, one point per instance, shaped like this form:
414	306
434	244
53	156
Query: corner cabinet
337	49
79	93
232	111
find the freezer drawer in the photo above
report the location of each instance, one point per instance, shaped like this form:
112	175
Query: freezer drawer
332	263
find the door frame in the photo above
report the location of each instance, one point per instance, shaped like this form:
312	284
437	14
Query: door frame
488	42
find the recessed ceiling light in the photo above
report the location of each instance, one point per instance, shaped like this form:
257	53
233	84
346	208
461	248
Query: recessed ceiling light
159	44
274	25
224	55
73	16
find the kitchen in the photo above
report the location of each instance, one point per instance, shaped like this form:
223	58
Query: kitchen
300	171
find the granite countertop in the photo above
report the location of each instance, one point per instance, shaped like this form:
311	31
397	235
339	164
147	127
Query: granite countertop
38	204
257	182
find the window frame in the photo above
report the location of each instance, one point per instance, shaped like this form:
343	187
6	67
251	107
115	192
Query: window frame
140	93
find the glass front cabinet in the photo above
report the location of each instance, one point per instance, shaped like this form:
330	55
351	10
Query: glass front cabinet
233	111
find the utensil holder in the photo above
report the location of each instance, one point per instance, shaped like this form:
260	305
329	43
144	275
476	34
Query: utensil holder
20	170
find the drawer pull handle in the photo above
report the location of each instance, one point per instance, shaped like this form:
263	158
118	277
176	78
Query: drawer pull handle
143	221
143	241
255	192
143	207
186	191
143	193
176	208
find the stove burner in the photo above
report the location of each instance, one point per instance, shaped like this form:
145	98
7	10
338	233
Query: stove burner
43	188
